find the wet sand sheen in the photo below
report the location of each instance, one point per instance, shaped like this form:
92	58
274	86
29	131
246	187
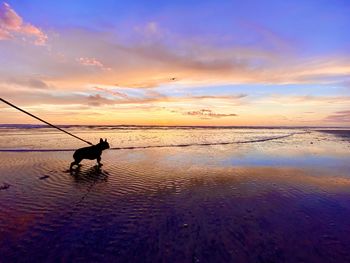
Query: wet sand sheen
181	205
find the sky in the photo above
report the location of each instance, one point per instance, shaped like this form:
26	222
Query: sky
234	63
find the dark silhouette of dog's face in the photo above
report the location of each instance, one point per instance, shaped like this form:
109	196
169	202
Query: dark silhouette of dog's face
103	144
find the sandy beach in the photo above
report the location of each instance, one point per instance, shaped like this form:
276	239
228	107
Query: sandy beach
281	200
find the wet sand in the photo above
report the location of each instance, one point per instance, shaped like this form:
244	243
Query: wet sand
340	133
262	202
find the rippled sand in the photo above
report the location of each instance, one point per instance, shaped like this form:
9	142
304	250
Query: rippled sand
285	200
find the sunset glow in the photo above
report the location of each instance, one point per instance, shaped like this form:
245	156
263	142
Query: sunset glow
282	63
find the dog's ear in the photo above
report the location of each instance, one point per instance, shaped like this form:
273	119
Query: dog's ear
101	140
105	140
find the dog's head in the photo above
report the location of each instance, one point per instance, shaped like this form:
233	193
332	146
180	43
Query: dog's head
103	144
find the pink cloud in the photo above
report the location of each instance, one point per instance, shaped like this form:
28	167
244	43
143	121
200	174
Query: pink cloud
339	116
12	26
91	62
113	92
208	114
4	34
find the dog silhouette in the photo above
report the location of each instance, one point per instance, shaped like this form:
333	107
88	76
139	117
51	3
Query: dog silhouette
91	153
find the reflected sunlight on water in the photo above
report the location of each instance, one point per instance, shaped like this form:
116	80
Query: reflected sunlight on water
42	138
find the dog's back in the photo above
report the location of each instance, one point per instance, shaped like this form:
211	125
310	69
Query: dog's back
90	153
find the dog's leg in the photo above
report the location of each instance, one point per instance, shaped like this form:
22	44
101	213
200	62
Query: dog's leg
99	161
71	165
76	162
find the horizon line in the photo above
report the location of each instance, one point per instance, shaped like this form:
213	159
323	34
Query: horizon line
184	126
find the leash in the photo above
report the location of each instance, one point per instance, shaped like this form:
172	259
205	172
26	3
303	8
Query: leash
58	128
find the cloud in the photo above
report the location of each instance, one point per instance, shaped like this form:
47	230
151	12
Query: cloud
307	99
34	83
156	99
157	63
92	62
154	60
112	92
34	91
160	98
4	34
98	100
224	97
12	26
208	114
339	116
107	72
139	65
30	97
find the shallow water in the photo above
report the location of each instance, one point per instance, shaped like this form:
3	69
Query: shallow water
125	137
281	200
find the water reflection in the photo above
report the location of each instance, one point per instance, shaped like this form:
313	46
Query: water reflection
92	174
261	202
